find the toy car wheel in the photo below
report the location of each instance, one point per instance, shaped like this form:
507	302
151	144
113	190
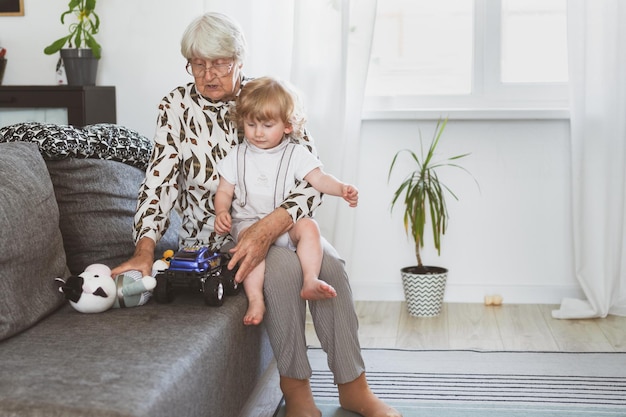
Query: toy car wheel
163	293
232	287
213	289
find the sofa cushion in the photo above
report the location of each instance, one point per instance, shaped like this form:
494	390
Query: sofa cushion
97	199
31	247
182	359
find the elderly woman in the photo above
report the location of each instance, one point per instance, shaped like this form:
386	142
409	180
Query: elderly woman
194	131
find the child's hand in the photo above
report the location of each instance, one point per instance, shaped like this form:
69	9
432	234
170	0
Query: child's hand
223	223
351	194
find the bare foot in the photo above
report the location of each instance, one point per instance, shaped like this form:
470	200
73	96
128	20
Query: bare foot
298	398
356	396
317	290
254	314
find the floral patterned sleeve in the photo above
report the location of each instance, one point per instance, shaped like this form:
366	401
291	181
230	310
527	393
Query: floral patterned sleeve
303	199
159	191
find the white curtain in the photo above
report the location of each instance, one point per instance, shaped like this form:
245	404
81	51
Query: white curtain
330	61
323	48
597	50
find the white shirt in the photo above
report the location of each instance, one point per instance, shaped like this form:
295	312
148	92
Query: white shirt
261	177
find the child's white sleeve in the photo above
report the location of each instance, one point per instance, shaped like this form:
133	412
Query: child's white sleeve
227	167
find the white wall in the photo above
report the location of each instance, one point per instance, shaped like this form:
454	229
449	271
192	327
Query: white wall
140	56
512	237
141	48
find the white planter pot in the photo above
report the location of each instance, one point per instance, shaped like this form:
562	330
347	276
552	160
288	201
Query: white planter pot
424	291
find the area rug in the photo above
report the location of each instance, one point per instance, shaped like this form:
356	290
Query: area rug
476	383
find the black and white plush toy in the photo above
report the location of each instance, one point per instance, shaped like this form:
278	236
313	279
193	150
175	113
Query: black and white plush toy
95	291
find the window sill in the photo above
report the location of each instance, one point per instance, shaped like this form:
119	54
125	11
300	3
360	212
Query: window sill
468	114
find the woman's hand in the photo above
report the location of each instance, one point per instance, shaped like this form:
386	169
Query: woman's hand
255	241
141	261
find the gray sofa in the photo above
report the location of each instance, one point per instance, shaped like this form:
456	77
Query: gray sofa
65	204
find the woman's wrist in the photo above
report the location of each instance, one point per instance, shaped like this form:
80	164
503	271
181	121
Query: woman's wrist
276	223
145	247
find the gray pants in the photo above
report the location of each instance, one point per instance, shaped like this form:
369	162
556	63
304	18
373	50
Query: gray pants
335	319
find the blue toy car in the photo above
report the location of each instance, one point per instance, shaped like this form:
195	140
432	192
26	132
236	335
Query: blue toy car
197	268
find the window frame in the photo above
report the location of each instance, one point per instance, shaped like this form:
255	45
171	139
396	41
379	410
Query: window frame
489	96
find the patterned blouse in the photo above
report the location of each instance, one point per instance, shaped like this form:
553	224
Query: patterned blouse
192	134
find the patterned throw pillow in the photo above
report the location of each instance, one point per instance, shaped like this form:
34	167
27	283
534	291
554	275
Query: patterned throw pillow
54	141
100	141
119	143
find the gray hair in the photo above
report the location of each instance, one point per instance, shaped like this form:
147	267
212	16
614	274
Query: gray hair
211	36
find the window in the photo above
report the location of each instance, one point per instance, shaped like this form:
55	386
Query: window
533	41
421	47
462	54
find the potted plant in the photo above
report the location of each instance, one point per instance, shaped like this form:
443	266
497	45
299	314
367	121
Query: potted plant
80	58
423	195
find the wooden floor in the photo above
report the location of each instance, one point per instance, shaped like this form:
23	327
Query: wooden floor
510	327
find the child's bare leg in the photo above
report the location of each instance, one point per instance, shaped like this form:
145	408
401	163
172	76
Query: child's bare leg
306	235
253	286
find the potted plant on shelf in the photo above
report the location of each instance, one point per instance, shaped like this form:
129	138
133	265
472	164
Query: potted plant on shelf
80	58
424	197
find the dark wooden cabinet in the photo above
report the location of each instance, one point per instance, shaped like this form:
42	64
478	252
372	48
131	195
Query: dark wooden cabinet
85	104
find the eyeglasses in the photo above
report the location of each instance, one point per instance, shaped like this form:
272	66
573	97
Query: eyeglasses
199	70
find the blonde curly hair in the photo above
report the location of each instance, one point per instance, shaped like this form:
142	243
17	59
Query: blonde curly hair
268	98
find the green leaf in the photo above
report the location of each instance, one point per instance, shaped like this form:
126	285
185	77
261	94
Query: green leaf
95	23
56	46
73	4
93	45
80	32
423	193
90	5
